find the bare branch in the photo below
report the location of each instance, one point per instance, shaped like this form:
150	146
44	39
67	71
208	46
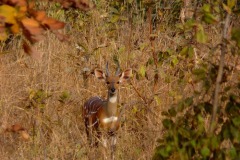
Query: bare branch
220	72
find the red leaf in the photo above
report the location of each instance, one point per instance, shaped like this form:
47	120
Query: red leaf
32	38
27	48
15	128
53	24
32	26
39	15
18	2
29	22
18	128
31	51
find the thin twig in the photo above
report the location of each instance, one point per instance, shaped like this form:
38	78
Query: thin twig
138	93
220	73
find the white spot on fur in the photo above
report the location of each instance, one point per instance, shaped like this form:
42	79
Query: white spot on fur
104	141
114	140
110	119
113	99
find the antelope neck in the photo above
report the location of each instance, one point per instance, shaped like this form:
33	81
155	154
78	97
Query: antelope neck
111	108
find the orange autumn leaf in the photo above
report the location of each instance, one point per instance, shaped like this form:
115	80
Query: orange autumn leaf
15	29
32	26
18	2
18	128
27	48
29	22
25	135
23	9
39	15
53	24
15	128
35	30
31	5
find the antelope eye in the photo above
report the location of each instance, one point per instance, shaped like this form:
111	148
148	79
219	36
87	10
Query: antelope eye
108	82
118	82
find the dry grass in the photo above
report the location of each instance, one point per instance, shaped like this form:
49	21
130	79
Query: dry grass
56	129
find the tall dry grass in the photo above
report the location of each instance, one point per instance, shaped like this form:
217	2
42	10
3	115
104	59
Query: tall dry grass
56	127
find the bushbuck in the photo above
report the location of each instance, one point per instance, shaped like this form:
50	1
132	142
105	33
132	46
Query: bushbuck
101	117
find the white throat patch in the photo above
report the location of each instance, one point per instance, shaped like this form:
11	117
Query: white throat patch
113	99
110	119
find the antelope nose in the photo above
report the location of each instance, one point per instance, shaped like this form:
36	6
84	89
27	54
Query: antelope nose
113	89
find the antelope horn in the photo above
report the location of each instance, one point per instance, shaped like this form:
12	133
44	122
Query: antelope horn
107	71
118	69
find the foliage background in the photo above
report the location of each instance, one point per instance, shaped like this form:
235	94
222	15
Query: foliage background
172	60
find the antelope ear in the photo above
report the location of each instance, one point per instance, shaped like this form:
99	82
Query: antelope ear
125	75
99	74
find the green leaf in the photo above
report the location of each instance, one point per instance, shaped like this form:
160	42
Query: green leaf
208	107
122	18
231	109
206	7
184	132
236	121
200	73
235	133
189	24
200	118
193	143
142	71
163	56
216	8
225	131
232	153
172	112
143	46
188	101
158	100
190	52
162	150
187	51
209	18
64	96
227	8
167	123
150	61
174	60
179	26
231	3
200	35
115	18
113	10
214	143
135	110
130	1
164	113
184	51
205	152
236	35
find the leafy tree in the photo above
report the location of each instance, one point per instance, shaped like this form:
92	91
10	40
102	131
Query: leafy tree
206	124
21	17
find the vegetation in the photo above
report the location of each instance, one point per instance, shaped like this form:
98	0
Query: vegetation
181	103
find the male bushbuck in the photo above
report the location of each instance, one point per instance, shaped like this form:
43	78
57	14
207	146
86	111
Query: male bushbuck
102	115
